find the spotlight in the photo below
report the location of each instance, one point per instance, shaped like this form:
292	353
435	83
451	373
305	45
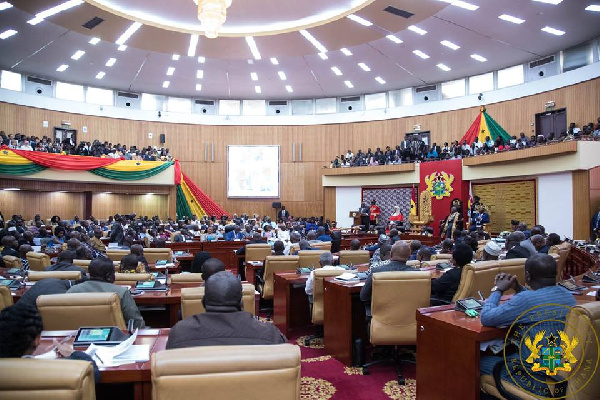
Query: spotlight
159	114
480	96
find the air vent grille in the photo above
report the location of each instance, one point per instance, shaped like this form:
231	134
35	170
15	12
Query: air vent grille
428	88
349	99
128	95
39	81
398	12
205	102
92	23
543	61
278	103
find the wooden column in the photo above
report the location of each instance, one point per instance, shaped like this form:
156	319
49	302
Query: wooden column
329	203
87	205
172	202
581	205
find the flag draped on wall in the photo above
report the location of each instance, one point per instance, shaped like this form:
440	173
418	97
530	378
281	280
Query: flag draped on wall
443	179
484	126
191	200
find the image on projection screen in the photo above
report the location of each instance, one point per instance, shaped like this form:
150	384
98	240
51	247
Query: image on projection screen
252	171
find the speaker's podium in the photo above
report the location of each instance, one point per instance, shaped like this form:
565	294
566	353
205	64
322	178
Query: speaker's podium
356	216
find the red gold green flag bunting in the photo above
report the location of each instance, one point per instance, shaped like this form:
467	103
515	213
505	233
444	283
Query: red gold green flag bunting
483	127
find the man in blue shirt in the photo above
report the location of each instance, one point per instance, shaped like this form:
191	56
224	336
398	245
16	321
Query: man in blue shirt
322	236
542	308
234	234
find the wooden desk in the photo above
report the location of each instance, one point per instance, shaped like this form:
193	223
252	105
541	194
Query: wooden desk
250	270
291	308
344	318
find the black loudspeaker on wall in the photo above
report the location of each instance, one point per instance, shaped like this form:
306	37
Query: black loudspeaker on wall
162	138
276	204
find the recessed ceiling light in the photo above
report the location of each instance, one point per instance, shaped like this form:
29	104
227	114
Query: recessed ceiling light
478	58
251	62
62	68
421	54
274	61
553	31
364	67
313	41
94	40
5	5
462	4
122	47
39	17
111	62
449	44
394	39
360	20
282	75
336	71
170	71
253	48
257	89
380	80
193	45
7	34
349	84
443	67
198	87
175	57
100	75
78	54
346	51
127	34
254	76
416	29
201	59
512	19
549	1
323	56
9	189
593	7
166	84
289	88
199	74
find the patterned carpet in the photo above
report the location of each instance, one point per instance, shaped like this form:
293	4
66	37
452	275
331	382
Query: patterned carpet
323	377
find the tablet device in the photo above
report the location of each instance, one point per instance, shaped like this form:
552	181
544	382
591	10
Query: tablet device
145	285
469	304
99	335
6	282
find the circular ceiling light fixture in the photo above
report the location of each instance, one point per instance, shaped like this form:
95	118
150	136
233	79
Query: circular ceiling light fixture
212	14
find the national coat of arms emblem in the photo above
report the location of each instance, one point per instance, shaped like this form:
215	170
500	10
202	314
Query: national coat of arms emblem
439	184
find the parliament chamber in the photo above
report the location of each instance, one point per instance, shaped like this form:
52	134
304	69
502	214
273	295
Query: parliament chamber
219	199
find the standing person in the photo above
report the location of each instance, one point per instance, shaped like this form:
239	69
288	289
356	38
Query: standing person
374	213
283	214
364	215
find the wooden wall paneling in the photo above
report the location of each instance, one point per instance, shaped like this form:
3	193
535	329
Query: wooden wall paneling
105	204
47	204
329	203
76	187
581	205
594	191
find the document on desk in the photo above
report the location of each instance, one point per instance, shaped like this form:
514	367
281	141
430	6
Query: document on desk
592	293
123	353
495	345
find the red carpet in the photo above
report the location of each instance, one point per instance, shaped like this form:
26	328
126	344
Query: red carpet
323	377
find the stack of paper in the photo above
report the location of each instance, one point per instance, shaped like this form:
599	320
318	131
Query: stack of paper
123	353
347	276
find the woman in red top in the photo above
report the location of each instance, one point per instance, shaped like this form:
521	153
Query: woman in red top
396	215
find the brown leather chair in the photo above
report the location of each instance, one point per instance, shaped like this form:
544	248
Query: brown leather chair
562	250
309	258
477	276
26	378
11	261
275	264
5	297
133	277
257	251
191	300
392	324
37	261
39	275
322	246
441	257
116	254
227	372
73	310
318	309
294	247
354	257
194	277
154	255
513	266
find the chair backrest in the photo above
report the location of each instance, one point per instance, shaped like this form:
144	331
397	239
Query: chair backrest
37	261
294	247
27	378
432	263
11	261
390	324
583	322
441	257
274	264
132	277
39	275
191	300
513	266
153	255
116	254
5	297
318	308
73	310
477	276
227	372
310	258
354	257
257	251
322	246
194	277
563	251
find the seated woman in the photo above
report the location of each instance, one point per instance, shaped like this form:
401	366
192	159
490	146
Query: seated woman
130	264
432	153
397	215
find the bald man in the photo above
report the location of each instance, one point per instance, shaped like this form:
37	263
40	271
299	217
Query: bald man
400	254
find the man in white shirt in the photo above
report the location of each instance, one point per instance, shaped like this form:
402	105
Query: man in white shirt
26	146
326	261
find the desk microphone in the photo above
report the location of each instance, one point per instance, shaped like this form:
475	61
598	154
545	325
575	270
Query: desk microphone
481	295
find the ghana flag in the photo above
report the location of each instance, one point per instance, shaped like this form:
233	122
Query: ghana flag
485	126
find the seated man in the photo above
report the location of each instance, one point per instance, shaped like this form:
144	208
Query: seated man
20	331
43	287
424	254
447	246
199	259
529	308
491	251
278	248
326	262
444	288
515	250
321	236
96	242
224	323
211	267
10	246
23	250
138	251
130	264
553	239
102	277
399	255
65	263
355	244
415	246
